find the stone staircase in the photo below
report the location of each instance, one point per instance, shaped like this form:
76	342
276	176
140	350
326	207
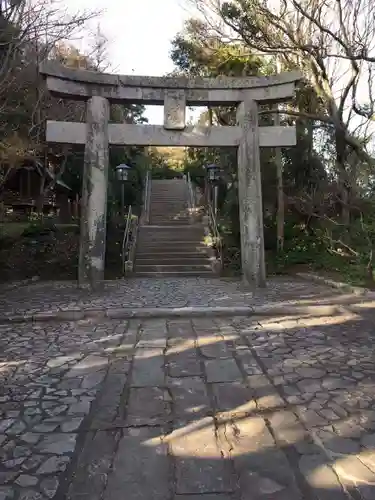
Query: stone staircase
171	245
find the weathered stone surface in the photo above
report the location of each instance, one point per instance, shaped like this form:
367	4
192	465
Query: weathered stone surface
288	428
30	495
214	347
4	424
26	480
355	474
200	467
153	293
309	385
6	493
234	397
153	334
174	109
141	467
222	370
49	486
338	444
321	478
248	362
250	196
7	477
308	372
81	408
189	397
184	364
155	135
71	425
58	444
37	394
93	466
112	390
147	406
214	496
63	81
148	369
261	486
261	466
94	194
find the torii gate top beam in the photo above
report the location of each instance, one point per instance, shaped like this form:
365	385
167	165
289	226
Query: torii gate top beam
83	84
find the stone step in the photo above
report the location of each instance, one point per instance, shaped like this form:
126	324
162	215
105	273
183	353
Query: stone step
170	274
168	216
155	268
164	209
177	253
148	240
172	235
182	240
165	242
163	260
179	199
180	253
171	222
161	227
171	246
146	252
162	204
170	213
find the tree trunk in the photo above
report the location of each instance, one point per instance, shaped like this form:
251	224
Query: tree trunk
343	179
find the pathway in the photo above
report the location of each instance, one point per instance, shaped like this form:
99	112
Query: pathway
189	409
171	292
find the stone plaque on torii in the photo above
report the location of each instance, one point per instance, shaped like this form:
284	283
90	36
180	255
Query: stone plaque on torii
175	93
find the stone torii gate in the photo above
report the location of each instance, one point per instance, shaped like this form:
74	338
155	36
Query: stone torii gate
100	89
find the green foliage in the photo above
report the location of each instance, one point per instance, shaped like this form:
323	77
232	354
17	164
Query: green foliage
164	172
323	249
200	53
312	238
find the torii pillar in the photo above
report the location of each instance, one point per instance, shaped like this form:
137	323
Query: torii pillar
250	196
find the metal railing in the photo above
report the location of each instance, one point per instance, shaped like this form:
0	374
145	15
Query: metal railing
147	198
126	237
215	233
192	199
213	229
129	241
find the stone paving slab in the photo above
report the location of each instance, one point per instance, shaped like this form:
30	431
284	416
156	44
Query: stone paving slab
281	408
48	297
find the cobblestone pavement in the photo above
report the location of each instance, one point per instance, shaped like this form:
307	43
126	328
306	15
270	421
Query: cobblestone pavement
225	409
154	292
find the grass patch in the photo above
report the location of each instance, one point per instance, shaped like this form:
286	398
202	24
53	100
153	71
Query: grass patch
13	229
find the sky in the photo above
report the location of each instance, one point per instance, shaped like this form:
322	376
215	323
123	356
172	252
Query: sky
140	34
